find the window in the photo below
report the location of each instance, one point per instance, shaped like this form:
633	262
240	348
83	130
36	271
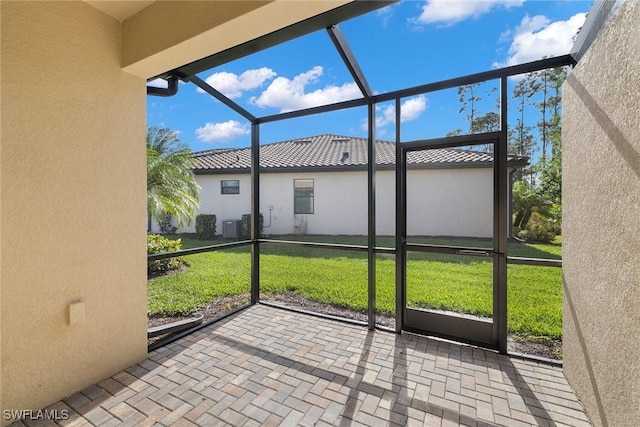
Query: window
230	186
303	196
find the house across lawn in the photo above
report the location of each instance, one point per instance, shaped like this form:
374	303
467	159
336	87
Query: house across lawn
318	185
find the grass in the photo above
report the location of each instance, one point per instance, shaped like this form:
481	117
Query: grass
456	283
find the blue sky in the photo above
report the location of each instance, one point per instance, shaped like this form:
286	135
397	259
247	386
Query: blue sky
404	45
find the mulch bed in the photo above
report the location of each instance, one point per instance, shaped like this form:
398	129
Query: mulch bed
542	347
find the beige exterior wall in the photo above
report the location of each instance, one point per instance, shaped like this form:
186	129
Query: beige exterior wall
601	201
441	202
72	178
73	202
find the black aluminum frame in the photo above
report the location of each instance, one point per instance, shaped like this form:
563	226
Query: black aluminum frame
476	331
329	21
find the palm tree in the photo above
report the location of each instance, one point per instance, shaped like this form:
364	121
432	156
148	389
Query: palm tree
526	201
171	185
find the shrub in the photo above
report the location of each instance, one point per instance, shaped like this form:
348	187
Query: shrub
555	216
528	200
156	244
164	222
539	230
245	226
205	227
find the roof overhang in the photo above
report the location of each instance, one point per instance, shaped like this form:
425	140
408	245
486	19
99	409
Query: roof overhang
120	10
162	36
309	25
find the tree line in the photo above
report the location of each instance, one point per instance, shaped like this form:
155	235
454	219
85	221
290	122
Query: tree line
537	187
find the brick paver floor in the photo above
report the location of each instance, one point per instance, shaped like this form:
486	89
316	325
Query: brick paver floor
265	366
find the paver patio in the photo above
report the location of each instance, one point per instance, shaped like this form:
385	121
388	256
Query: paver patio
268	366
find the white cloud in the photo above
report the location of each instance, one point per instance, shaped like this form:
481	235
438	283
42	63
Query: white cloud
223	131
290	94
537	37
384	116
527	25
411	109
386	13
530	25
449	12
232	85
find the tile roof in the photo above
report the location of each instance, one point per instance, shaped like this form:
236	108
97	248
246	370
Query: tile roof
336	152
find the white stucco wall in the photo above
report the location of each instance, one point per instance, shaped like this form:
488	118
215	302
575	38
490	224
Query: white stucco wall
340	203
450	202
224	206
440	202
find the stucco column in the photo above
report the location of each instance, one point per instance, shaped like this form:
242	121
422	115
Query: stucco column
601	223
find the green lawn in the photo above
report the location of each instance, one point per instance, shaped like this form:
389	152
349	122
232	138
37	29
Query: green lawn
457	283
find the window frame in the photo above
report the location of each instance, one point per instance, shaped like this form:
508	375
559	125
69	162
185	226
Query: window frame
310	196
223	187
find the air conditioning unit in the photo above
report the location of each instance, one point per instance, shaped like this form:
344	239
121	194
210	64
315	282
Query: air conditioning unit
231	228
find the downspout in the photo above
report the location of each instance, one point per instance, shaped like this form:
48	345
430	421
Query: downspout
170	90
